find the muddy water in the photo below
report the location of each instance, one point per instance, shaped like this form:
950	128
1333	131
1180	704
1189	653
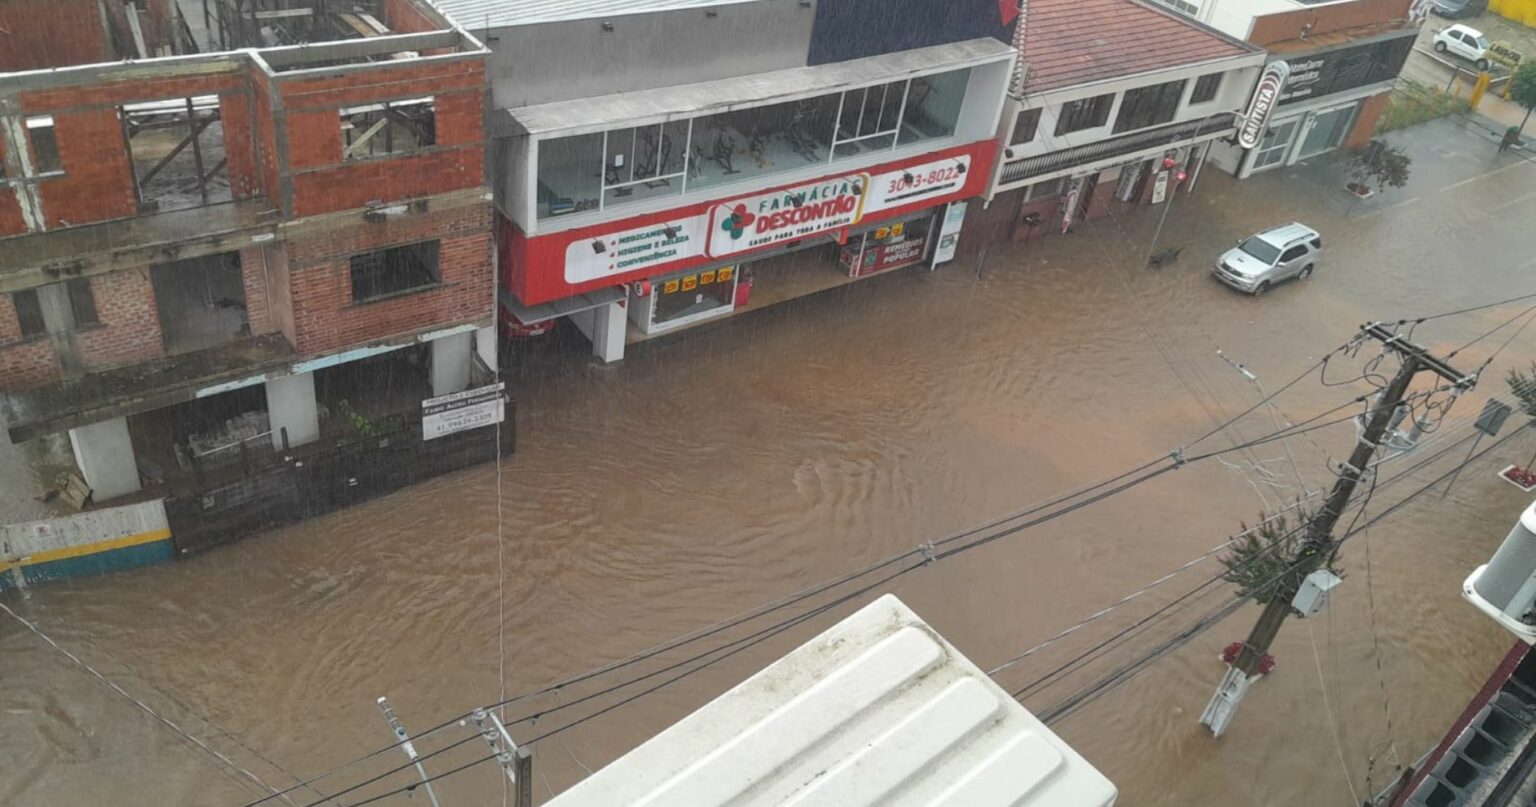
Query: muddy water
733	465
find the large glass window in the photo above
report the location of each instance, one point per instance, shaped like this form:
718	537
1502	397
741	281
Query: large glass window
1149	106
933	106
1084	113
570	174
869	119
745	143
1025	126
644	162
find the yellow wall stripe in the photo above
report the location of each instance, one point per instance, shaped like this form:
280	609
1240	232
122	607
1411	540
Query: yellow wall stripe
96	548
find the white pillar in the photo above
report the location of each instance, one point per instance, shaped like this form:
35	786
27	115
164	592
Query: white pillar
485	346
291	405
104	454
608	323
451	363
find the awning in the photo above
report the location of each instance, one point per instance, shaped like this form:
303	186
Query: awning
606	112
533	315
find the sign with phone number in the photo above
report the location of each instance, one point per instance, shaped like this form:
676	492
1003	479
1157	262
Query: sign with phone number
917	182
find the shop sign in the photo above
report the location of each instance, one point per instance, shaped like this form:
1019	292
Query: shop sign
1069	211
918	182
1502	53
1160	188
949	233
1318	74
620	253
462	411
1265	97
787	215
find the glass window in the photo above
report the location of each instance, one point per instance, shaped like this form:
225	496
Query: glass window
644	162
933	106
745	143
45	146
1206	88
1084	113
1293	253
390	271
869	119
1149	106
82	303
29	313
570	174
1261	249
1025	126
394	127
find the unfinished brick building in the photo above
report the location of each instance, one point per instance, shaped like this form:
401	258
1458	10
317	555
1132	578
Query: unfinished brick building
233	229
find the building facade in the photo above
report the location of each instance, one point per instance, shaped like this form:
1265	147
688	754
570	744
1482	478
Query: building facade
1344	58
217	246
656	161
1116	103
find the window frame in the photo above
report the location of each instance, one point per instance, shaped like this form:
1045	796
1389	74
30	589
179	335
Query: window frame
1135	115
33	312
1195	93
435	269
82	302
1083	114
364	147
1033	126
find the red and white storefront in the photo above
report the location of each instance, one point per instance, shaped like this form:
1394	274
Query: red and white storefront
868	197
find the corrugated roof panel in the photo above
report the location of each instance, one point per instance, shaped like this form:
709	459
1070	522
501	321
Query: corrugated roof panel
878	710
480	14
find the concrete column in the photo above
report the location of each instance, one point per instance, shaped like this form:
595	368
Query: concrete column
607	333
485	346
291	405
451	363
104	454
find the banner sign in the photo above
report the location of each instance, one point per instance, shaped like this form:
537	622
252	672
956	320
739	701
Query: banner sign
1069	207
1265	97
462	411
949	234
769	218
620	253
917	183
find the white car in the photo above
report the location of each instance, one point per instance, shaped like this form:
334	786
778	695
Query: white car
1468	43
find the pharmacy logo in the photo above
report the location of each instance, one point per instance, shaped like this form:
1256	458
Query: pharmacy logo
738	222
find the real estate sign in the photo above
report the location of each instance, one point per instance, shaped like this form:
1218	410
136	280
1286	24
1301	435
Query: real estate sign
462	411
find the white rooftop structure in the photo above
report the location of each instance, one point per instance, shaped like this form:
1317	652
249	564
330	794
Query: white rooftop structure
481	14
878	710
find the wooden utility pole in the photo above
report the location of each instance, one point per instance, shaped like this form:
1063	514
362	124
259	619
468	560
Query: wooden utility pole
1319	542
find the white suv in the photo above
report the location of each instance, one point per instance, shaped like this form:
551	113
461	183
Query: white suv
1261	261
1468	43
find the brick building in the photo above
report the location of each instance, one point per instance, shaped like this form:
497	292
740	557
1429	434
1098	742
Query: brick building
228	229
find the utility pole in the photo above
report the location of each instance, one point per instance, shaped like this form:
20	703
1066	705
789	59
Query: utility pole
515	760
404	740
1319	541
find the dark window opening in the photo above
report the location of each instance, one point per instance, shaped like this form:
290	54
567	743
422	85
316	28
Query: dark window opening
1084	113
45	146
394	270
29	312
1024	127
1206	88
177	149
396	127
200	301
1149	106
82	302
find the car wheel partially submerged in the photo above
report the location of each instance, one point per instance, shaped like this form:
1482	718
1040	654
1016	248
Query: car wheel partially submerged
1261	288
1306	272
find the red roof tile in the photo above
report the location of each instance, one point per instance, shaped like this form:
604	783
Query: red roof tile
1068	42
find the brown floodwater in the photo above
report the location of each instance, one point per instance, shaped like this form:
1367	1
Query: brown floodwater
730	466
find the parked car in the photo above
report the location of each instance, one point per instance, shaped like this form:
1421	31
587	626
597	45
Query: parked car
1262	260
1466	42
1459	9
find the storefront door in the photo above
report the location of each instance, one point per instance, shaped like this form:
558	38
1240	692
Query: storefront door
1328	131
1276	144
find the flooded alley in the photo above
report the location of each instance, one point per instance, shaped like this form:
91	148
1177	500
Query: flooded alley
727	466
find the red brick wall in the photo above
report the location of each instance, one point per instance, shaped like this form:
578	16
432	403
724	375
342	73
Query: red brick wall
403	16
245	181
97	183
130	323
265	134
11	222
1365	122
319	275
256	280
324	182
36	34
1103	197
22	364
1271	28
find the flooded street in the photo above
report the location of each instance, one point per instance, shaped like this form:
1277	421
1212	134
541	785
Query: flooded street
725	468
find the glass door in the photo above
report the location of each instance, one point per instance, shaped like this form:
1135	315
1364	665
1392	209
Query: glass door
1327	132
1276	144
